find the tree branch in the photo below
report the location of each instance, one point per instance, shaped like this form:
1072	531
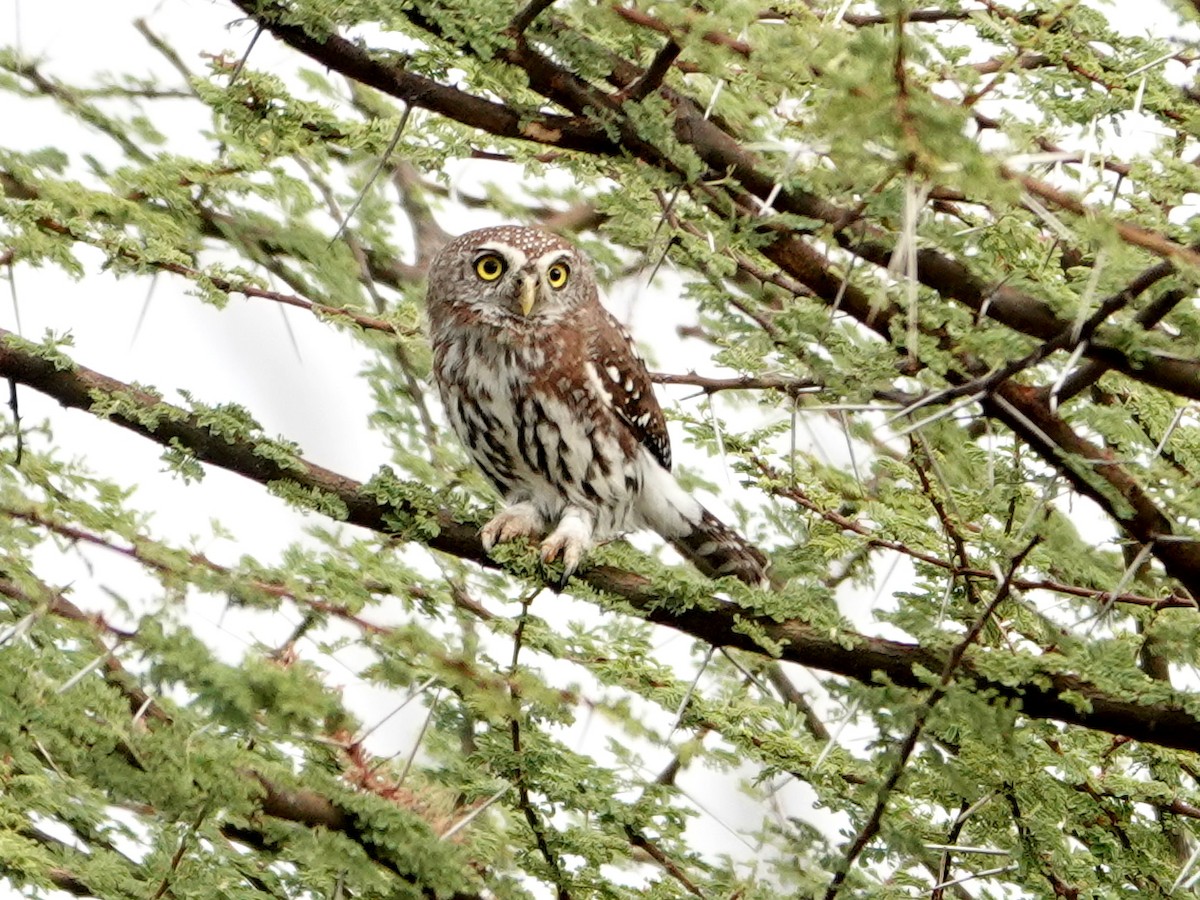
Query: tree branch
1050	694
354	61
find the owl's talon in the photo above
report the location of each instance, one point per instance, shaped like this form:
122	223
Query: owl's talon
571	551
512	522
572	539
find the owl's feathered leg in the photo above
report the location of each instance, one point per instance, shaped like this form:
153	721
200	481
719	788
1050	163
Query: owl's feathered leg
572	537
515	520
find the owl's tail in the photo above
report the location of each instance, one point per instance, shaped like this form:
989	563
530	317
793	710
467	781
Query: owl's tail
712	546
717	550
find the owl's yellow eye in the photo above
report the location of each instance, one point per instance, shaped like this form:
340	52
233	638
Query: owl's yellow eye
557	275
489	267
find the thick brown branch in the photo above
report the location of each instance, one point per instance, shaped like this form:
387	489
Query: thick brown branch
525	17
354	61
1148	316
652	78
1050	695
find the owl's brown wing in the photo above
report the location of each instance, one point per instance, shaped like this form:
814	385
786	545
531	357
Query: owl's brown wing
622	372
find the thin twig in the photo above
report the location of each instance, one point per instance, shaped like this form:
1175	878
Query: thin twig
531	815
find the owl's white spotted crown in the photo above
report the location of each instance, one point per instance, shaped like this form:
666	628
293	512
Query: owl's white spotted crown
532	242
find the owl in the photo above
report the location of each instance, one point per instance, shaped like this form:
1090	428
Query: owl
546	391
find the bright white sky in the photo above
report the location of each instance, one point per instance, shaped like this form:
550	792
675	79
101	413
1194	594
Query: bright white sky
297	376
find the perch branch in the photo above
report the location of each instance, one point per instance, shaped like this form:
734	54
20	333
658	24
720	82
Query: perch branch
1051	694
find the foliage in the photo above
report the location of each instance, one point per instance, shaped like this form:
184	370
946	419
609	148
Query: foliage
919	230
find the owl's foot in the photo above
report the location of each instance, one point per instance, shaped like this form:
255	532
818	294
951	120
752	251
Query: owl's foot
572	538
512	522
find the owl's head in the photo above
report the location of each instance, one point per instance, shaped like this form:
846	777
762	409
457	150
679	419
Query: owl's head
509	273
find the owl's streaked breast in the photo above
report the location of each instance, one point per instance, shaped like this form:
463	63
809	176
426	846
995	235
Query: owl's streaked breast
536	429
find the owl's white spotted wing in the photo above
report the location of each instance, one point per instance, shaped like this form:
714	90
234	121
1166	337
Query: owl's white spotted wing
622	372
711	545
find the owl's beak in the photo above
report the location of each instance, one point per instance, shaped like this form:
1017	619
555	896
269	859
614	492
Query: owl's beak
528	293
